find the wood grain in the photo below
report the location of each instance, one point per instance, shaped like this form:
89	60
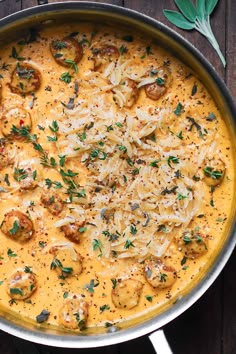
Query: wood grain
29	3
113	2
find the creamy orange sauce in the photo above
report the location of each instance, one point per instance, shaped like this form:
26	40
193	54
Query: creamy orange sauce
96	100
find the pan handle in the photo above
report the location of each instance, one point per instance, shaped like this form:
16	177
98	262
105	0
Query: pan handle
160	342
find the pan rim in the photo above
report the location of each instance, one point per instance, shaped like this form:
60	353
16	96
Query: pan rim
91	341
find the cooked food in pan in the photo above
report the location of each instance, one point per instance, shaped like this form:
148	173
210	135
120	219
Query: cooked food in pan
116	176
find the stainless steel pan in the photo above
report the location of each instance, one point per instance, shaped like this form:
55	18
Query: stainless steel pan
57	12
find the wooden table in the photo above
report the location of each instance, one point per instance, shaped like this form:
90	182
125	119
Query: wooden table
209	326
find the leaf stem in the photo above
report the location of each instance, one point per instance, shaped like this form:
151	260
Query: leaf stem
204	27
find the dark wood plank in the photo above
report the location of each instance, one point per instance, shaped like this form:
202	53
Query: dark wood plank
229	308
8	7
231	46
29	3
229	303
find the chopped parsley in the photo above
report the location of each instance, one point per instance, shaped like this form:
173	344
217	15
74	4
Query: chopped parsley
97	245
15	228
163	277
104	308
72	64
160	81
90	287
133	229
128	244
16	291
172	159
20	174
214	174
178	109
149	298
66	77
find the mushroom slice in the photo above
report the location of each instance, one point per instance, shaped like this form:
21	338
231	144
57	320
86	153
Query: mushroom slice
67	261
126	293
15	119
157	89
17	226
21	285
25	79
6	154
66	51
104	55
193	244
72	231
158	274
214	171
129	92
53	202
26	174
73	314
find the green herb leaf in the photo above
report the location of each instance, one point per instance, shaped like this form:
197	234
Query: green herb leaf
172	159
163	277
192	18
200	7
160	81
82	229
114	283
81	323
211	117
128	244
214	174
11	253
178	20
178	109
65	295
56	263
133	229
149	298
15	228
154	163
16	291
97	245
187	9
104	307
66	77
28	269
90	287
73	64
210	6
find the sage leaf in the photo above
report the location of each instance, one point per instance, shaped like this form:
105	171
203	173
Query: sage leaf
200	6
178	20
196	18
187	8
210	6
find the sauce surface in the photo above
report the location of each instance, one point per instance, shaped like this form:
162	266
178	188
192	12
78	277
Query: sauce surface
116	177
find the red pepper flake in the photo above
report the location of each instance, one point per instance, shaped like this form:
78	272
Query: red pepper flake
22	122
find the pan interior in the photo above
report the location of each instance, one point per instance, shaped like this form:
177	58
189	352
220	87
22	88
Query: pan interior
153	319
